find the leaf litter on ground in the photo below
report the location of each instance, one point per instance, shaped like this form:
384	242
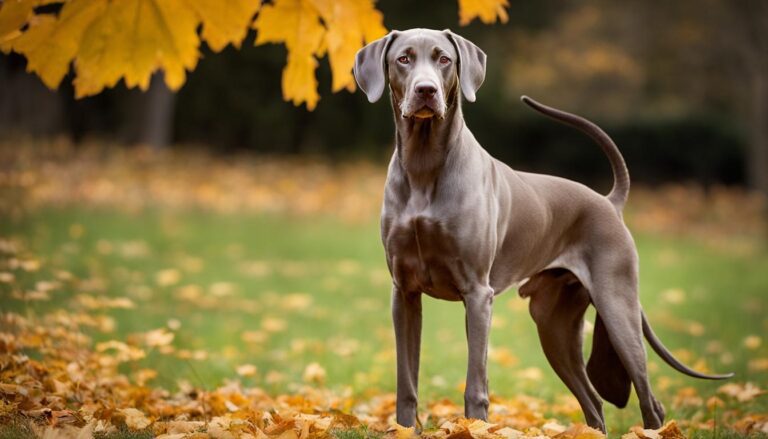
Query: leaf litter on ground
59	382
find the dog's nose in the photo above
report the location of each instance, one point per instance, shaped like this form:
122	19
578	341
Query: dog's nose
426	90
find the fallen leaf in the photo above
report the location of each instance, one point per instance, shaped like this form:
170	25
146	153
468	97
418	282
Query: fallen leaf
246	370
314	373
397	431
135	419
742	392
159	337
752	342
167	277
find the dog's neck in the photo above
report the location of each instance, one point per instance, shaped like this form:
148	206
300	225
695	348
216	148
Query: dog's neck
423	145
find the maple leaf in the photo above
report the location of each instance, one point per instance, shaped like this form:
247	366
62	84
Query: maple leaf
488	11
314	373
399	432
158	337
51	42
129	39
135	419
225	25
669	431
350	23
246	370
132	39
296	23
110	40
580	431
13	16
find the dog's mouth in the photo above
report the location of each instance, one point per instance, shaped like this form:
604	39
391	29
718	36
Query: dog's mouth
424	112
422	109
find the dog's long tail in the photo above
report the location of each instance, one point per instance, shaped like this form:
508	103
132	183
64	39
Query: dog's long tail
620	191
668	358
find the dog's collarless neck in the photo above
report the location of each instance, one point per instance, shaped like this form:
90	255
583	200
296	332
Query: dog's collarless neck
422	145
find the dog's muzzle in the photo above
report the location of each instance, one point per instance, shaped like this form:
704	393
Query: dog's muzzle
425	101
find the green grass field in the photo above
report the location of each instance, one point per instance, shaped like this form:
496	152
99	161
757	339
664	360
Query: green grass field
281	292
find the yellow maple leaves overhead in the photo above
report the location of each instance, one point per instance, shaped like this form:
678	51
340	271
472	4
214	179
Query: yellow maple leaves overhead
110	40
297	24
113	40
126	39
486	10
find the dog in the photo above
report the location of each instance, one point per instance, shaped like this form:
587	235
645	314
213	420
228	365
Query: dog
459	225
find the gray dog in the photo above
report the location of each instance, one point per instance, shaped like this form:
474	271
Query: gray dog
459	225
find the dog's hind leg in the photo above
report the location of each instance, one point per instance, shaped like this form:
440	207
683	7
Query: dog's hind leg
558	303
615	296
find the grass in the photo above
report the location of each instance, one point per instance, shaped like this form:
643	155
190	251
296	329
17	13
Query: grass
281	292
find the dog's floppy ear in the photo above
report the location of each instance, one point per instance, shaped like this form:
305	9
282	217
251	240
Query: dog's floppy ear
371	66
471	65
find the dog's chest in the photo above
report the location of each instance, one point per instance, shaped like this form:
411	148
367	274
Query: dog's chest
424	256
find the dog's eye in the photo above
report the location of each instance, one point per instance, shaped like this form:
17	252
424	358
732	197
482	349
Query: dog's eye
444	60
403	60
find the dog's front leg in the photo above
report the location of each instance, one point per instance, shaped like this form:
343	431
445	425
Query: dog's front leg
406	316
478	305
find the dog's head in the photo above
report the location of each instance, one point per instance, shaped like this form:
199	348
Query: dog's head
426	68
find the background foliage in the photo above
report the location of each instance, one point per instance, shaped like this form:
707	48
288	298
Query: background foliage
677	82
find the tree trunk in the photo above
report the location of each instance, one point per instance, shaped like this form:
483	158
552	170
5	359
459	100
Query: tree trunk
157	110
758	142
751	21
757	167
27	107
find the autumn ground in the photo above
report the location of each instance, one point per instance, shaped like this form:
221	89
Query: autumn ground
172	293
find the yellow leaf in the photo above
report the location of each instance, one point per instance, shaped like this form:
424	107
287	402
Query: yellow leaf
273	324
225	23
135	419
158	337
142	376
299	82
742	392
134	38
123	352
51	42
669	431
246	370
314	373
350	23
752	342
488	11
167	277
288	434
401	432
297	24
509	433
553	428
13	15
479	429
110	40
580	431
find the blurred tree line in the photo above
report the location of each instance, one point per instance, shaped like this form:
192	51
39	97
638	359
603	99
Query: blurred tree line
681	86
